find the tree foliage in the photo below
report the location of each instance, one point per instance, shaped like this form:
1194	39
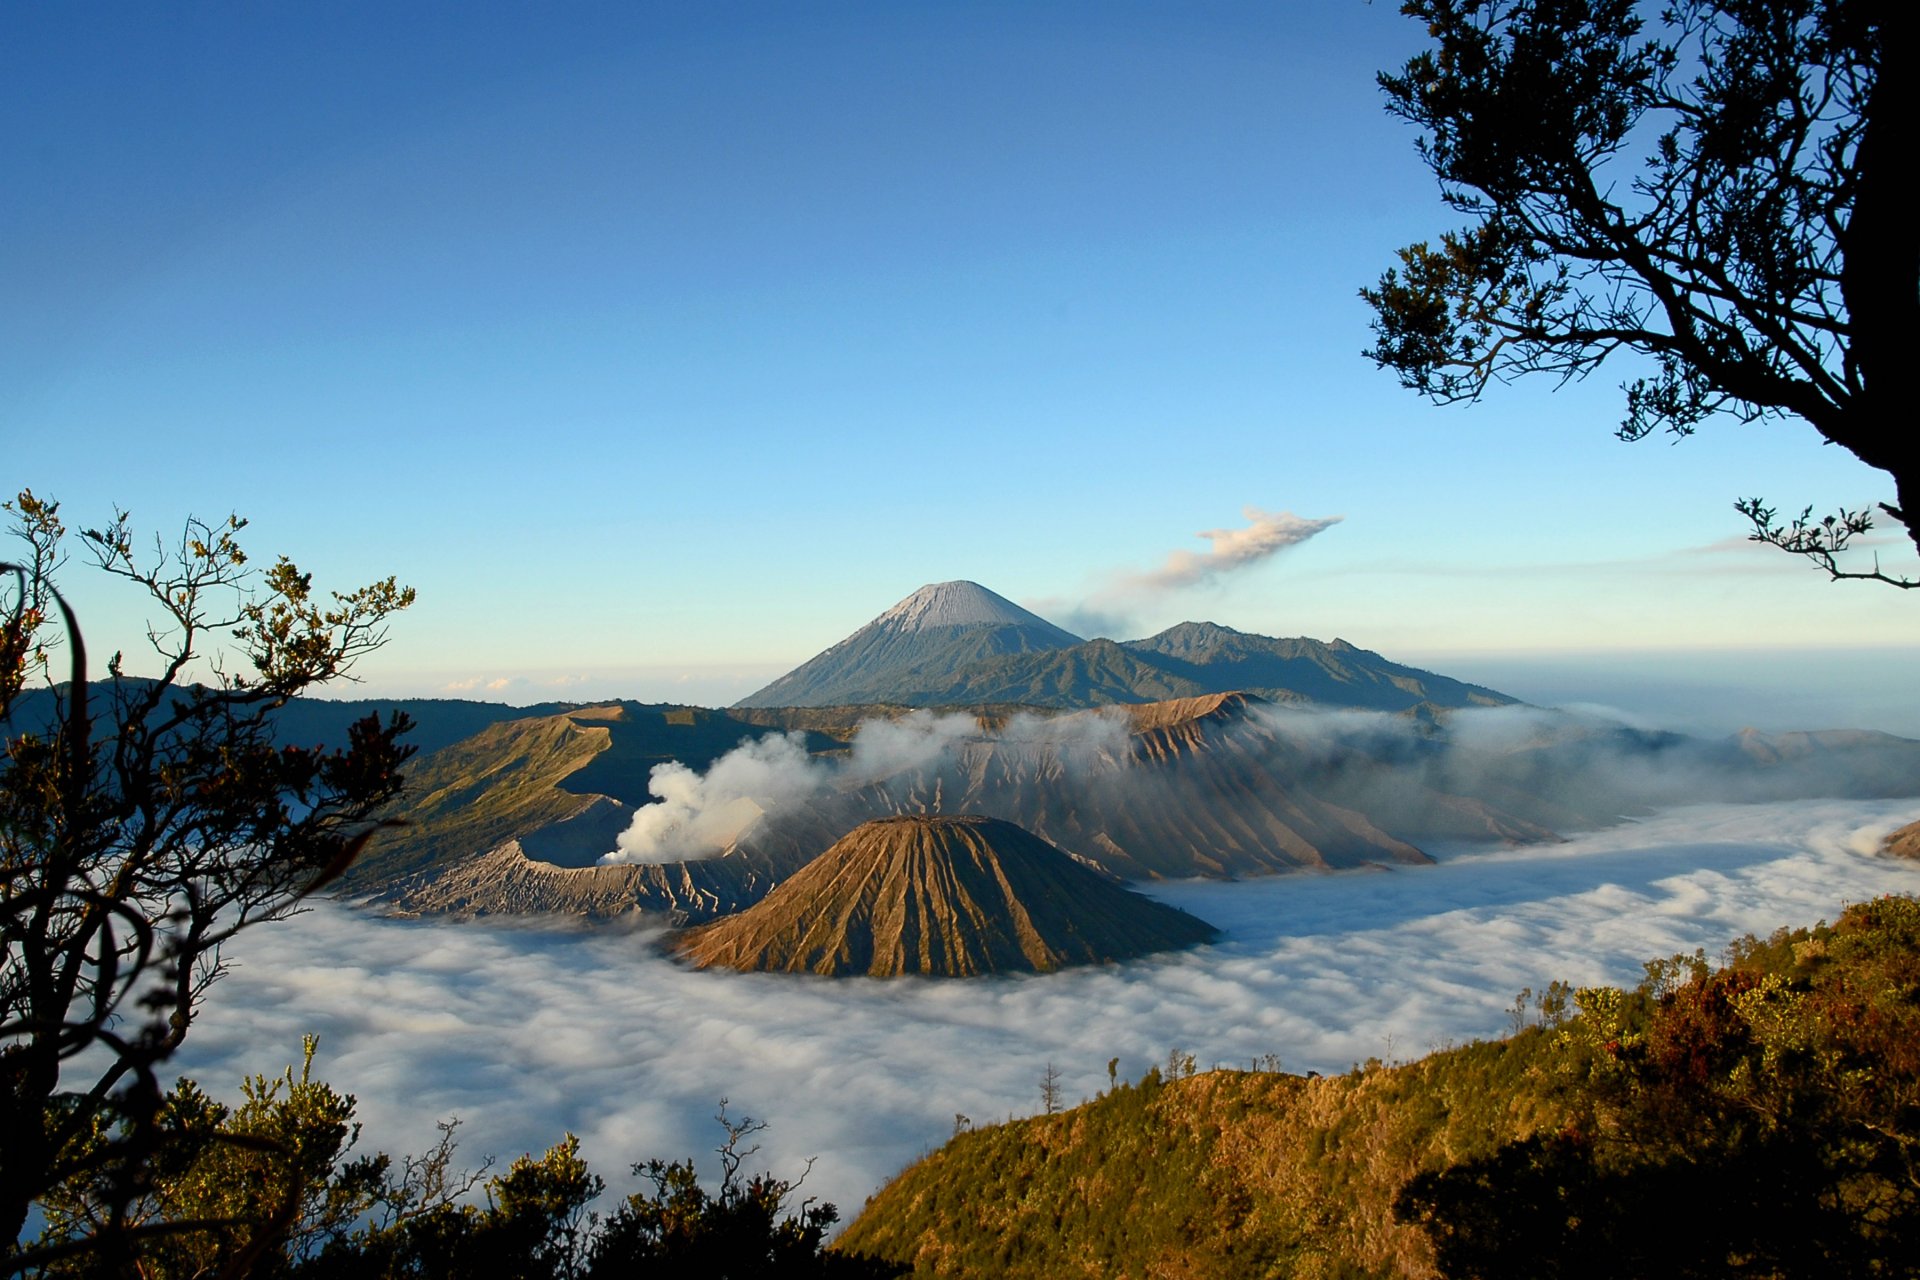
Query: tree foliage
1761	1119
143	823
272	1188
1721	190
741	1231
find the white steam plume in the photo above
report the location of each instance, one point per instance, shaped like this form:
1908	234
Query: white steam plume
699	815
1116	608
1546	767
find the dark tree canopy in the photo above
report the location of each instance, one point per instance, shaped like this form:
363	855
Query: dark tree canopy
143	823
1717	186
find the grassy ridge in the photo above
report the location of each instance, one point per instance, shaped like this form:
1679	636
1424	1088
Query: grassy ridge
518	776
469	797
1760	1119
1224	1173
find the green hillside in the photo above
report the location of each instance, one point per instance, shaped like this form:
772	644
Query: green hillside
1762	1119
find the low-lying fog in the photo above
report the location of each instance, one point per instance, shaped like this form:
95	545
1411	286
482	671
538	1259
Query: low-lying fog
527	1032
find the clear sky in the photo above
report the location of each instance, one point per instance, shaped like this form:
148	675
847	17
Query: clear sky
660	346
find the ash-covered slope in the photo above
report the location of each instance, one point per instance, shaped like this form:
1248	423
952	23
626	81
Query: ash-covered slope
944	897
941	627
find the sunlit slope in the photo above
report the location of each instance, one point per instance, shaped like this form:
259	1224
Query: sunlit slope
1208	786
483	791
514	818
945	897
1757	1120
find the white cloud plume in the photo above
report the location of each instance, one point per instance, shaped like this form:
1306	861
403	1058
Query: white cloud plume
1115	609
528	1032
1267	533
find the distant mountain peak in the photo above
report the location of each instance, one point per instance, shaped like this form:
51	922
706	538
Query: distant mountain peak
960	604
942	627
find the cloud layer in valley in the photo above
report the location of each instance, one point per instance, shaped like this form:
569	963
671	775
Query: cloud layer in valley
1588	761
527	1032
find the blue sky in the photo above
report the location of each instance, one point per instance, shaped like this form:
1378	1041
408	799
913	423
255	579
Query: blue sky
661	346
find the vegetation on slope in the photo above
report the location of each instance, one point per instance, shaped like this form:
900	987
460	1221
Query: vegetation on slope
1191	660
271	1189
1761	1119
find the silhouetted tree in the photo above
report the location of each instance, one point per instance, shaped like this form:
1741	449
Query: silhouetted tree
743	1231
1050	1089
143	823
1723	190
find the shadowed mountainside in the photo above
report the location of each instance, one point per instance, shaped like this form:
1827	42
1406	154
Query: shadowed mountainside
944	626
1193	659
956	644
940	896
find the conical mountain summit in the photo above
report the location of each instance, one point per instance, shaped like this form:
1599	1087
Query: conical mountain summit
965	604
940	628
944	896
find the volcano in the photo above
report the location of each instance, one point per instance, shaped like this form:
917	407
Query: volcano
957	644
938	629
941	896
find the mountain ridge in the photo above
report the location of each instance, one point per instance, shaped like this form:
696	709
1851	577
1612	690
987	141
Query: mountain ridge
956	643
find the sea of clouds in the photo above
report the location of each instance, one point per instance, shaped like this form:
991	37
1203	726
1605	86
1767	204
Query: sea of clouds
526	1032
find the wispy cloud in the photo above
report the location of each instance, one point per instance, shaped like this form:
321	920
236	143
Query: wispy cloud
493	684
1116	607
1267	534
528	1032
